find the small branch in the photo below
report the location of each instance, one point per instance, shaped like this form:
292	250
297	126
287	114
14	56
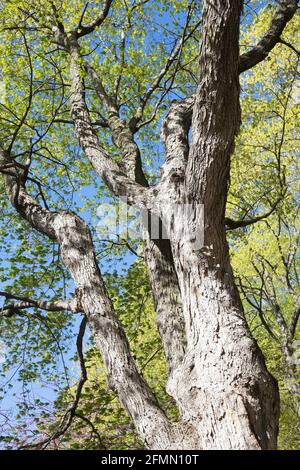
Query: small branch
150	358
233	224
30	97
71	411
288	44
294	322
103	124
174	55
82	15
258	308
124	242
94	430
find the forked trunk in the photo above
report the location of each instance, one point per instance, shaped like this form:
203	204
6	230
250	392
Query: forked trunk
222	387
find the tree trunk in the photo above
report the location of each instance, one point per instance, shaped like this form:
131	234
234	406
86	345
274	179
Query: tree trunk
222	387
291	371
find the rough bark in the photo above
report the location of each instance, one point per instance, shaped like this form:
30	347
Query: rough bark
157	253
77	254
167	299
109	171
222	386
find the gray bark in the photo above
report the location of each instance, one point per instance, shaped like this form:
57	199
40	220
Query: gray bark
157	254
291	372
77	253
230	398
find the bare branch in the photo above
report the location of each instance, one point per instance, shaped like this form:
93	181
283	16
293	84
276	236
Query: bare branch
233	224
290	46
89	28
258	307
283	14
48	305
294	322
71	411
174	55
94	430
30	97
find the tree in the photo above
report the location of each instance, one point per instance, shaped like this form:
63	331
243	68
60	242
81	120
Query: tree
216	373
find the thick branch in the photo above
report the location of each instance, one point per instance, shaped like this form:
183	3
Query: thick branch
38	217
167	299
158	257
283	14
175	135
121	132
89	28
72	305
107	169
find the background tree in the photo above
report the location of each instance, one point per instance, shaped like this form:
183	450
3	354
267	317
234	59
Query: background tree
216	373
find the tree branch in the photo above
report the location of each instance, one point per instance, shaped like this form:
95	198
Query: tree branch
78	255
283	14
174	55
110	171
258	308
175	135
30	97
294	322
89	28
39	218
233	224
72	305
290	46
157	254
71	411
122	134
